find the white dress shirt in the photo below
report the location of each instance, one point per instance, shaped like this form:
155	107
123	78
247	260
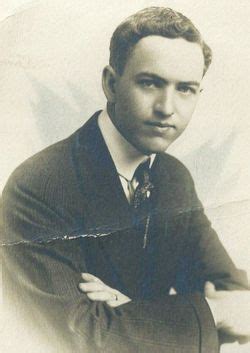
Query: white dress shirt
125	156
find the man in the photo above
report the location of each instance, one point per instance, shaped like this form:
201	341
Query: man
102	226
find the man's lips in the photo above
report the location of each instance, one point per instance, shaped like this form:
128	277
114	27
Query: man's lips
160	124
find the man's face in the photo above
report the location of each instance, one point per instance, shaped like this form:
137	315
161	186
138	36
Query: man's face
157	93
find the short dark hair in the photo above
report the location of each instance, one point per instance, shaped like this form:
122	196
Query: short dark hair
159	21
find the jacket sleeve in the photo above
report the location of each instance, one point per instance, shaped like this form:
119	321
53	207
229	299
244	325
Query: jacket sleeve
207	258
42	281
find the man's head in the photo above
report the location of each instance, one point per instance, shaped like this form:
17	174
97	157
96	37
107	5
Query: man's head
157	62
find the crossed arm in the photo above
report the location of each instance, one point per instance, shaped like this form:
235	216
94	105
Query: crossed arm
103	317
230	309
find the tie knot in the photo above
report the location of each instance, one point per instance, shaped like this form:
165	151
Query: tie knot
142	172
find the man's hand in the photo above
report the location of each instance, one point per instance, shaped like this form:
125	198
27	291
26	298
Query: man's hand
96	290
230	309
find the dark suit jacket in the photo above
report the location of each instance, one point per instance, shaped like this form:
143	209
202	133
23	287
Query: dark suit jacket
65	212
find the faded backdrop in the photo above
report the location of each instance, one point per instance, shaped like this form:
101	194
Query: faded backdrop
51	58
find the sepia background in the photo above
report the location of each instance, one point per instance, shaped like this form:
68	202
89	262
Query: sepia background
51	58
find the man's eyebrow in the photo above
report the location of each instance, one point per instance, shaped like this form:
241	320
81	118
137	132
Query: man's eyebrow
190	83
159	78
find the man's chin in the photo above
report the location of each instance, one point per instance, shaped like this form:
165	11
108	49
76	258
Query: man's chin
150	145
149	149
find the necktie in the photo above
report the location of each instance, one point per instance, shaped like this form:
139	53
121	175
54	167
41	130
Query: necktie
141	198
144	187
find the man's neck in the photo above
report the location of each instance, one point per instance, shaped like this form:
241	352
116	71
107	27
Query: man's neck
125	156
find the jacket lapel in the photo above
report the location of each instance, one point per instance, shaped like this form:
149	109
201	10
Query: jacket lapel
168	196
105	205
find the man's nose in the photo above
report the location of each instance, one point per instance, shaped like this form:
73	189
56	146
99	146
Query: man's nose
164	104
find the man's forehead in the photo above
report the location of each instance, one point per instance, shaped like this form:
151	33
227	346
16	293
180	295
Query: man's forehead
172	59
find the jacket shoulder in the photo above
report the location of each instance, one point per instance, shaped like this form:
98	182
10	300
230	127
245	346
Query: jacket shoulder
174	168
41	166
40	197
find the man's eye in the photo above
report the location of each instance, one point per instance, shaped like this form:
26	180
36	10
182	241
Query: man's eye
148	83
187	90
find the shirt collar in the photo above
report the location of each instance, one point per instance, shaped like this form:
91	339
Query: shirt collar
125	156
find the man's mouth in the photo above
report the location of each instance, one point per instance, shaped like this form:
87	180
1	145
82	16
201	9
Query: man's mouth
160	125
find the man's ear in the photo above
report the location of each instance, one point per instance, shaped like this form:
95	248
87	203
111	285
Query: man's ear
109	78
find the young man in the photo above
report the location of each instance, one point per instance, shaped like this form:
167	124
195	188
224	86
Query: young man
101	226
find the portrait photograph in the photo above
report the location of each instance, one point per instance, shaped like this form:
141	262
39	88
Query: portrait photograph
125	176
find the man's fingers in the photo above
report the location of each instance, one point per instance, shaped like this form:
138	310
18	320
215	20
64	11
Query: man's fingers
101	296
96	290
209	289
93	287
90	278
